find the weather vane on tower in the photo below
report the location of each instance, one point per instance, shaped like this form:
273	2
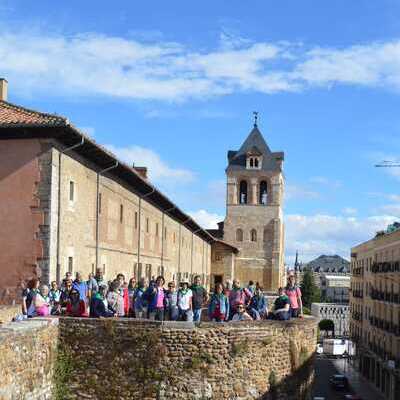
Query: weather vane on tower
255	113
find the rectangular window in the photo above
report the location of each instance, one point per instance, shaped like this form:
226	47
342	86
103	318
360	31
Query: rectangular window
136	220
71	191
121	213
70	264
99	203
148	271
147	225
157	229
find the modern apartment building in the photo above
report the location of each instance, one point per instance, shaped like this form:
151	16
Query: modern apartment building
375	310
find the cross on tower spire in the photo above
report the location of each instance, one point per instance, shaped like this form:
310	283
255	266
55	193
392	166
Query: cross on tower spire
255	113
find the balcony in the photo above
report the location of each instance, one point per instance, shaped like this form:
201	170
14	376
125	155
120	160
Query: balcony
384	296
386	326
385	267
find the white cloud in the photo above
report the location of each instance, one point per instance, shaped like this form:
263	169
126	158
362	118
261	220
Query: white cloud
158	170
93	64
87	64
392	209
206	219
376	64
328	234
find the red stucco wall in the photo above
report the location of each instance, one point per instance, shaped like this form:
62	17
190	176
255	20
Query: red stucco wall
20	216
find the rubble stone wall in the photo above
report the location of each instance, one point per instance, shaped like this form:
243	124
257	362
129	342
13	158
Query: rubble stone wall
130	359
27	360
7	313
75	358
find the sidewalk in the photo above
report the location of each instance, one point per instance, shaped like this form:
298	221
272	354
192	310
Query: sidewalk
365	389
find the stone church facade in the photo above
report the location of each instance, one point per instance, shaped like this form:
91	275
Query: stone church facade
251	245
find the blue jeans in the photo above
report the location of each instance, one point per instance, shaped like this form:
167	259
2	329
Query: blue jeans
283	316
157	314
196	314
294	312
173	313
186	315
254	314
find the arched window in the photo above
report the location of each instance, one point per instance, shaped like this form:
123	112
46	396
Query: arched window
239	235
253	235
243	192
265	235
263	193
251	163
256	162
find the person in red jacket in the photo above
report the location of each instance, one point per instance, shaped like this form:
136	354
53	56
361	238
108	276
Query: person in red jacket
76	307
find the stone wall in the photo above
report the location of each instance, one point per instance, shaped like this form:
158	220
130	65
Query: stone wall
27	355
7	313
75	358
130	359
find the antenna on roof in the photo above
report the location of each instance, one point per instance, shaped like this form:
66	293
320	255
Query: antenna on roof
255	113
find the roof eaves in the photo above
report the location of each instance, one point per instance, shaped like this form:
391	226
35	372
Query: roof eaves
181	216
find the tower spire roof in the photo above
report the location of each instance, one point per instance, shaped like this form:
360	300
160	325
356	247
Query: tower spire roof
255	144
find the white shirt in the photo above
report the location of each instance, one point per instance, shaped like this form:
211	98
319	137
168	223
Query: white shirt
242	317
184	300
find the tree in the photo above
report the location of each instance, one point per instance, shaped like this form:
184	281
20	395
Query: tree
326	325
309	290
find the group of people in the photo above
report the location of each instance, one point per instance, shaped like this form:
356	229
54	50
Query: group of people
98	298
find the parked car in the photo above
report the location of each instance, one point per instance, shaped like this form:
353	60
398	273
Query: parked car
339	382
352	397
318	398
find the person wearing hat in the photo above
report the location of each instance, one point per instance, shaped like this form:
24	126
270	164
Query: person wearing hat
99	304
185	305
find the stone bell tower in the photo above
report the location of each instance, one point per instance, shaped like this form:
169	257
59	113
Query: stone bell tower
254	216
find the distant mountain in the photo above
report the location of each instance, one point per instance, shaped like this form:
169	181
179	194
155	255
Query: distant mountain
334	264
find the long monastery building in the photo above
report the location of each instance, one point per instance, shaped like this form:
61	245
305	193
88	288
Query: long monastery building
68	204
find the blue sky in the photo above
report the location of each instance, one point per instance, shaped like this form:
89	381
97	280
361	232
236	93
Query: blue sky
173	85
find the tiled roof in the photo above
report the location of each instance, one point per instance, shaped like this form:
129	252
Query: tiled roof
12	115
255	143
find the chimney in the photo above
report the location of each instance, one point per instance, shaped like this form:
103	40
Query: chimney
3	89
142	171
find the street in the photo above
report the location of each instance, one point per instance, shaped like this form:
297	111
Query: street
325	368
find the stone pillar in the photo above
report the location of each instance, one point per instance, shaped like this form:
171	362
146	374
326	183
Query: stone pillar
231	191
275	191
254	191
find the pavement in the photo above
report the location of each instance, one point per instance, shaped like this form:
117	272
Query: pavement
325	368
